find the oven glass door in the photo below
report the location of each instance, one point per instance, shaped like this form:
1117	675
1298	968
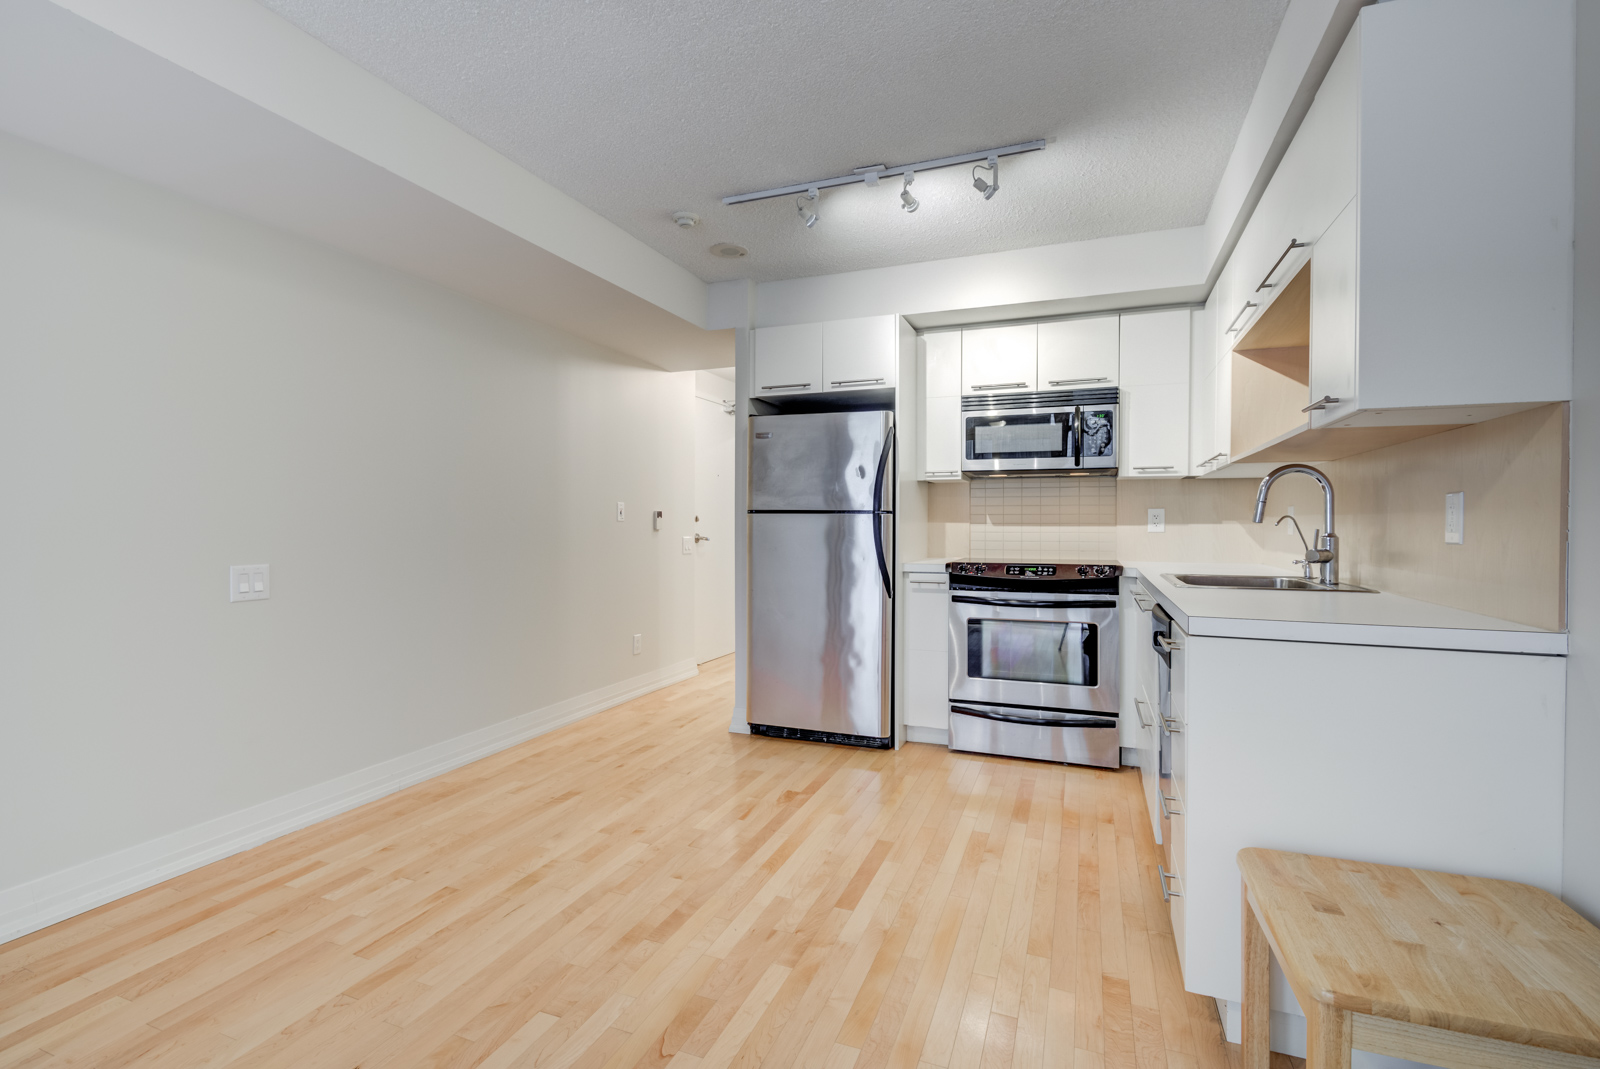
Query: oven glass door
1017	440
1051	653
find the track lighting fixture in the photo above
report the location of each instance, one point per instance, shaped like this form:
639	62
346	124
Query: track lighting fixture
992	186
985	159
907	201
807	207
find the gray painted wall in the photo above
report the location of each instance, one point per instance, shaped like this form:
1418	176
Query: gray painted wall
1581	869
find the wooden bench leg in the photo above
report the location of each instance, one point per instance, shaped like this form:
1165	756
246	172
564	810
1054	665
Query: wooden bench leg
1327	1037
1256	996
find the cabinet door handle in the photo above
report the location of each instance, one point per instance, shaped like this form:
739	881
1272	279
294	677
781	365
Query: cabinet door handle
1073	382
1209	459
1154	467
1232	327
1166	892
1318	406
1167	806
1173	725
855	382
1144	606
1000	386
789	386
1167	644
1267	283
1139	705
930	473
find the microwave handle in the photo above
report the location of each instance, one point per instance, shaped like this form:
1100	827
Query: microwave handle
1077	437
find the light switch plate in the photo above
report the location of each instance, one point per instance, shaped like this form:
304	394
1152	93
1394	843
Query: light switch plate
638	644
655	520
620	511
1455	518
688	546
249	582
1156	520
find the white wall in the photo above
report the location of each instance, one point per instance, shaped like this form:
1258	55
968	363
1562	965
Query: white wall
432	481
1580	880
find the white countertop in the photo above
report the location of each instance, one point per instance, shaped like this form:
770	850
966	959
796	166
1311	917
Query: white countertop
1319	616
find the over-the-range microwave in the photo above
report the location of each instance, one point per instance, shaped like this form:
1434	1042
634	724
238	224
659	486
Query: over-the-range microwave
1065	432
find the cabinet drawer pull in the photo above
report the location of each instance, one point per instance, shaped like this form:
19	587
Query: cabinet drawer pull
1144	606
789	386
1318	406
1154	467
855	382
1167	894
1234	326
1267	283
1169	806
1074	382
1000	386
1139	705
1167	644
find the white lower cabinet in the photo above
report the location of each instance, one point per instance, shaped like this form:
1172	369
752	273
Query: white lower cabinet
1436	759
925	696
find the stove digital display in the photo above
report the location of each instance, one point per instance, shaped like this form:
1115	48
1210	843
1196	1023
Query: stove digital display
1032	571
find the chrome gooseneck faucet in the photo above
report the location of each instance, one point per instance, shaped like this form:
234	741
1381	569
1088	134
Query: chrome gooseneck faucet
1324	548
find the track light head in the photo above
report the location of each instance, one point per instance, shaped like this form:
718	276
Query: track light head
908	203
806	205
991	187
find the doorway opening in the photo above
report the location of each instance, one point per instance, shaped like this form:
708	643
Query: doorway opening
713	521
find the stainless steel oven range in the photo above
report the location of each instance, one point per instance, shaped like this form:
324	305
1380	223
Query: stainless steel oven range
1033	661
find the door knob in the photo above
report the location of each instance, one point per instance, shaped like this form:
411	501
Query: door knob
702	538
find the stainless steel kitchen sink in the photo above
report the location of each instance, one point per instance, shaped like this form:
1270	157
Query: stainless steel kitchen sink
1263	582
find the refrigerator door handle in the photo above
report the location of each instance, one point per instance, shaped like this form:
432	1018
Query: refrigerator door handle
883	467
883	561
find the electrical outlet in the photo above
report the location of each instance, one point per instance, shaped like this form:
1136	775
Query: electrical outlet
688	546
620	511
638	644
1455	518
1155	520
249	582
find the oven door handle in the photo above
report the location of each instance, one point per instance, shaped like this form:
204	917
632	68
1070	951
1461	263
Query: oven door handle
1023	603
1034	721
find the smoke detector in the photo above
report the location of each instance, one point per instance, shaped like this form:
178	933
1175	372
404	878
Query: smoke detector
729	252
685	220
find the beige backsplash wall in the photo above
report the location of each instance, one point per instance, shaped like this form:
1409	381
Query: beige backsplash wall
1390	518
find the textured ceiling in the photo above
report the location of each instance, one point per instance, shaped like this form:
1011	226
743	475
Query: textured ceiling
643	109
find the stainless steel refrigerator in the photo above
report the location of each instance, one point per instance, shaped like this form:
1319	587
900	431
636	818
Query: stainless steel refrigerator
821	567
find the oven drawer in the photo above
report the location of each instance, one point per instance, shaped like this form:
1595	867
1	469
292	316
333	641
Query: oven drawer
1041	735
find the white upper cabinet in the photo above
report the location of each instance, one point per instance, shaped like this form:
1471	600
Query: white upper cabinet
1000	359
939	432
860	354
787	360
1154	394
1078	354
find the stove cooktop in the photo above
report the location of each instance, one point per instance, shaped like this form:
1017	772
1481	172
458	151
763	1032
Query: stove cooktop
1035	569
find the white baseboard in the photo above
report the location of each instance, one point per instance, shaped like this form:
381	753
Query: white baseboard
936	736
42	902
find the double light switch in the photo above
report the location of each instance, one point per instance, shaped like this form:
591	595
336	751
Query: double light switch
249	582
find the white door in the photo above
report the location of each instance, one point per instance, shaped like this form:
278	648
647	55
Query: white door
1000	359
860	354
713	520
1078	354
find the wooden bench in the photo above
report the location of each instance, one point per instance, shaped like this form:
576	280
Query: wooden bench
1455	971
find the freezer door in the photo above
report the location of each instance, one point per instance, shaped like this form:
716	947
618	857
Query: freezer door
820	622
825	461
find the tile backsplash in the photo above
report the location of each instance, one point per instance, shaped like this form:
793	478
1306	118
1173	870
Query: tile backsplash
1043	519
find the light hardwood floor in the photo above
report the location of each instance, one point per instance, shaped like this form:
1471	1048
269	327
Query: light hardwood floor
644	889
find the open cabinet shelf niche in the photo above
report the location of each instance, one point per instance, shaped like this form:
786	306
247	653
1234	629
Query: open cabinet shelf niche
1271	387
